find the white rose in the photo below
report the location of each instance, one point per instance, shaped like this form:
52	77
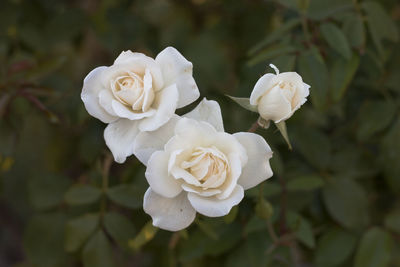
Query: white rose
278	96
138	93
194	166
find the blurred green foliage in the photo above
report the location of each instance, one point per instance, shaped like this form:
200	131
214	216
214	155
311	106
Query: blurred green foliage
333	200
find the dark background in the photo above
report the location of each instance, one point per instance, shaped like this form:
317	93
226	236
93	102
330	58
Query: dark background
335	197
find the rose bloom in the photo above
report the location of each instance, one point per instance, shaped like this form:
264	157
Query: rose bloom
138	93
194	166
278	96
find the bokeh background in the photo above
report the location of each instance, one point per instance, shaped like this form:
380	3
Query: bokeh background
334	200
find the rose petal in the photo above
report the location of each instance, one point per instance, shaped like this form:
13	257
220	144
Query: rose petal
105	100
146	143
92	87
258	168
209	111
177	70
120	136
301	96
165	105
261	87
158	178
213	207
274	106
172	214
125	112
234	175
190	133
138	63
228	144
127	56
198	190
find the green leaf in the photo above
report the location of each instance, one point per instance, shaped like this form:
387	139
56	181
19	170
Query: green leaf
315	73
230	235
44	239
284	62
392	221
255	224
342	74
79	230
334	247
380	24
305	183
374	249
346	202
275	35
389	157
373	117
244	102
46	191
271	52
336	39
145	235
354	29
119	227
126	195
251	252
315	146
97	251
282	129
302	229
194	247
82	194
322	9
207	228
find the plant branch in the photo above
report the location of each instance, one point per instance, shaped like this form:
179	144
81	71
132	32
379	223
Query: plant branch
104	182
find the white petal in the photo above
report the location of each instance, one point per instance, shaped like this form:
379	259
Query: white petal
274	106
137	63
176	69
125	112
165	105
190	133
92	87
120	136
105	99
232	180
172	214
228	144
198	190
301	96
158	178
262	86
258	168
213	207
128	55
209	111
146	143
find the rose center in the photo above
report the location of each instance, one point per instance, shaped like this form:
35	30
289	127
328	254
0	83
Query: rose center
288	89
130	90
208	165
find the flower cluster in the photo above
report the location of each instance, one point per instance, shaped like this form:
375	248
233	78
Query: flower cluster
193	165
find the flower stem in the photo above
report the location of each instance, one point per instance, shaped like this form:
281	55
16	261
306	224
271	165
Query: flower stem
254	127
